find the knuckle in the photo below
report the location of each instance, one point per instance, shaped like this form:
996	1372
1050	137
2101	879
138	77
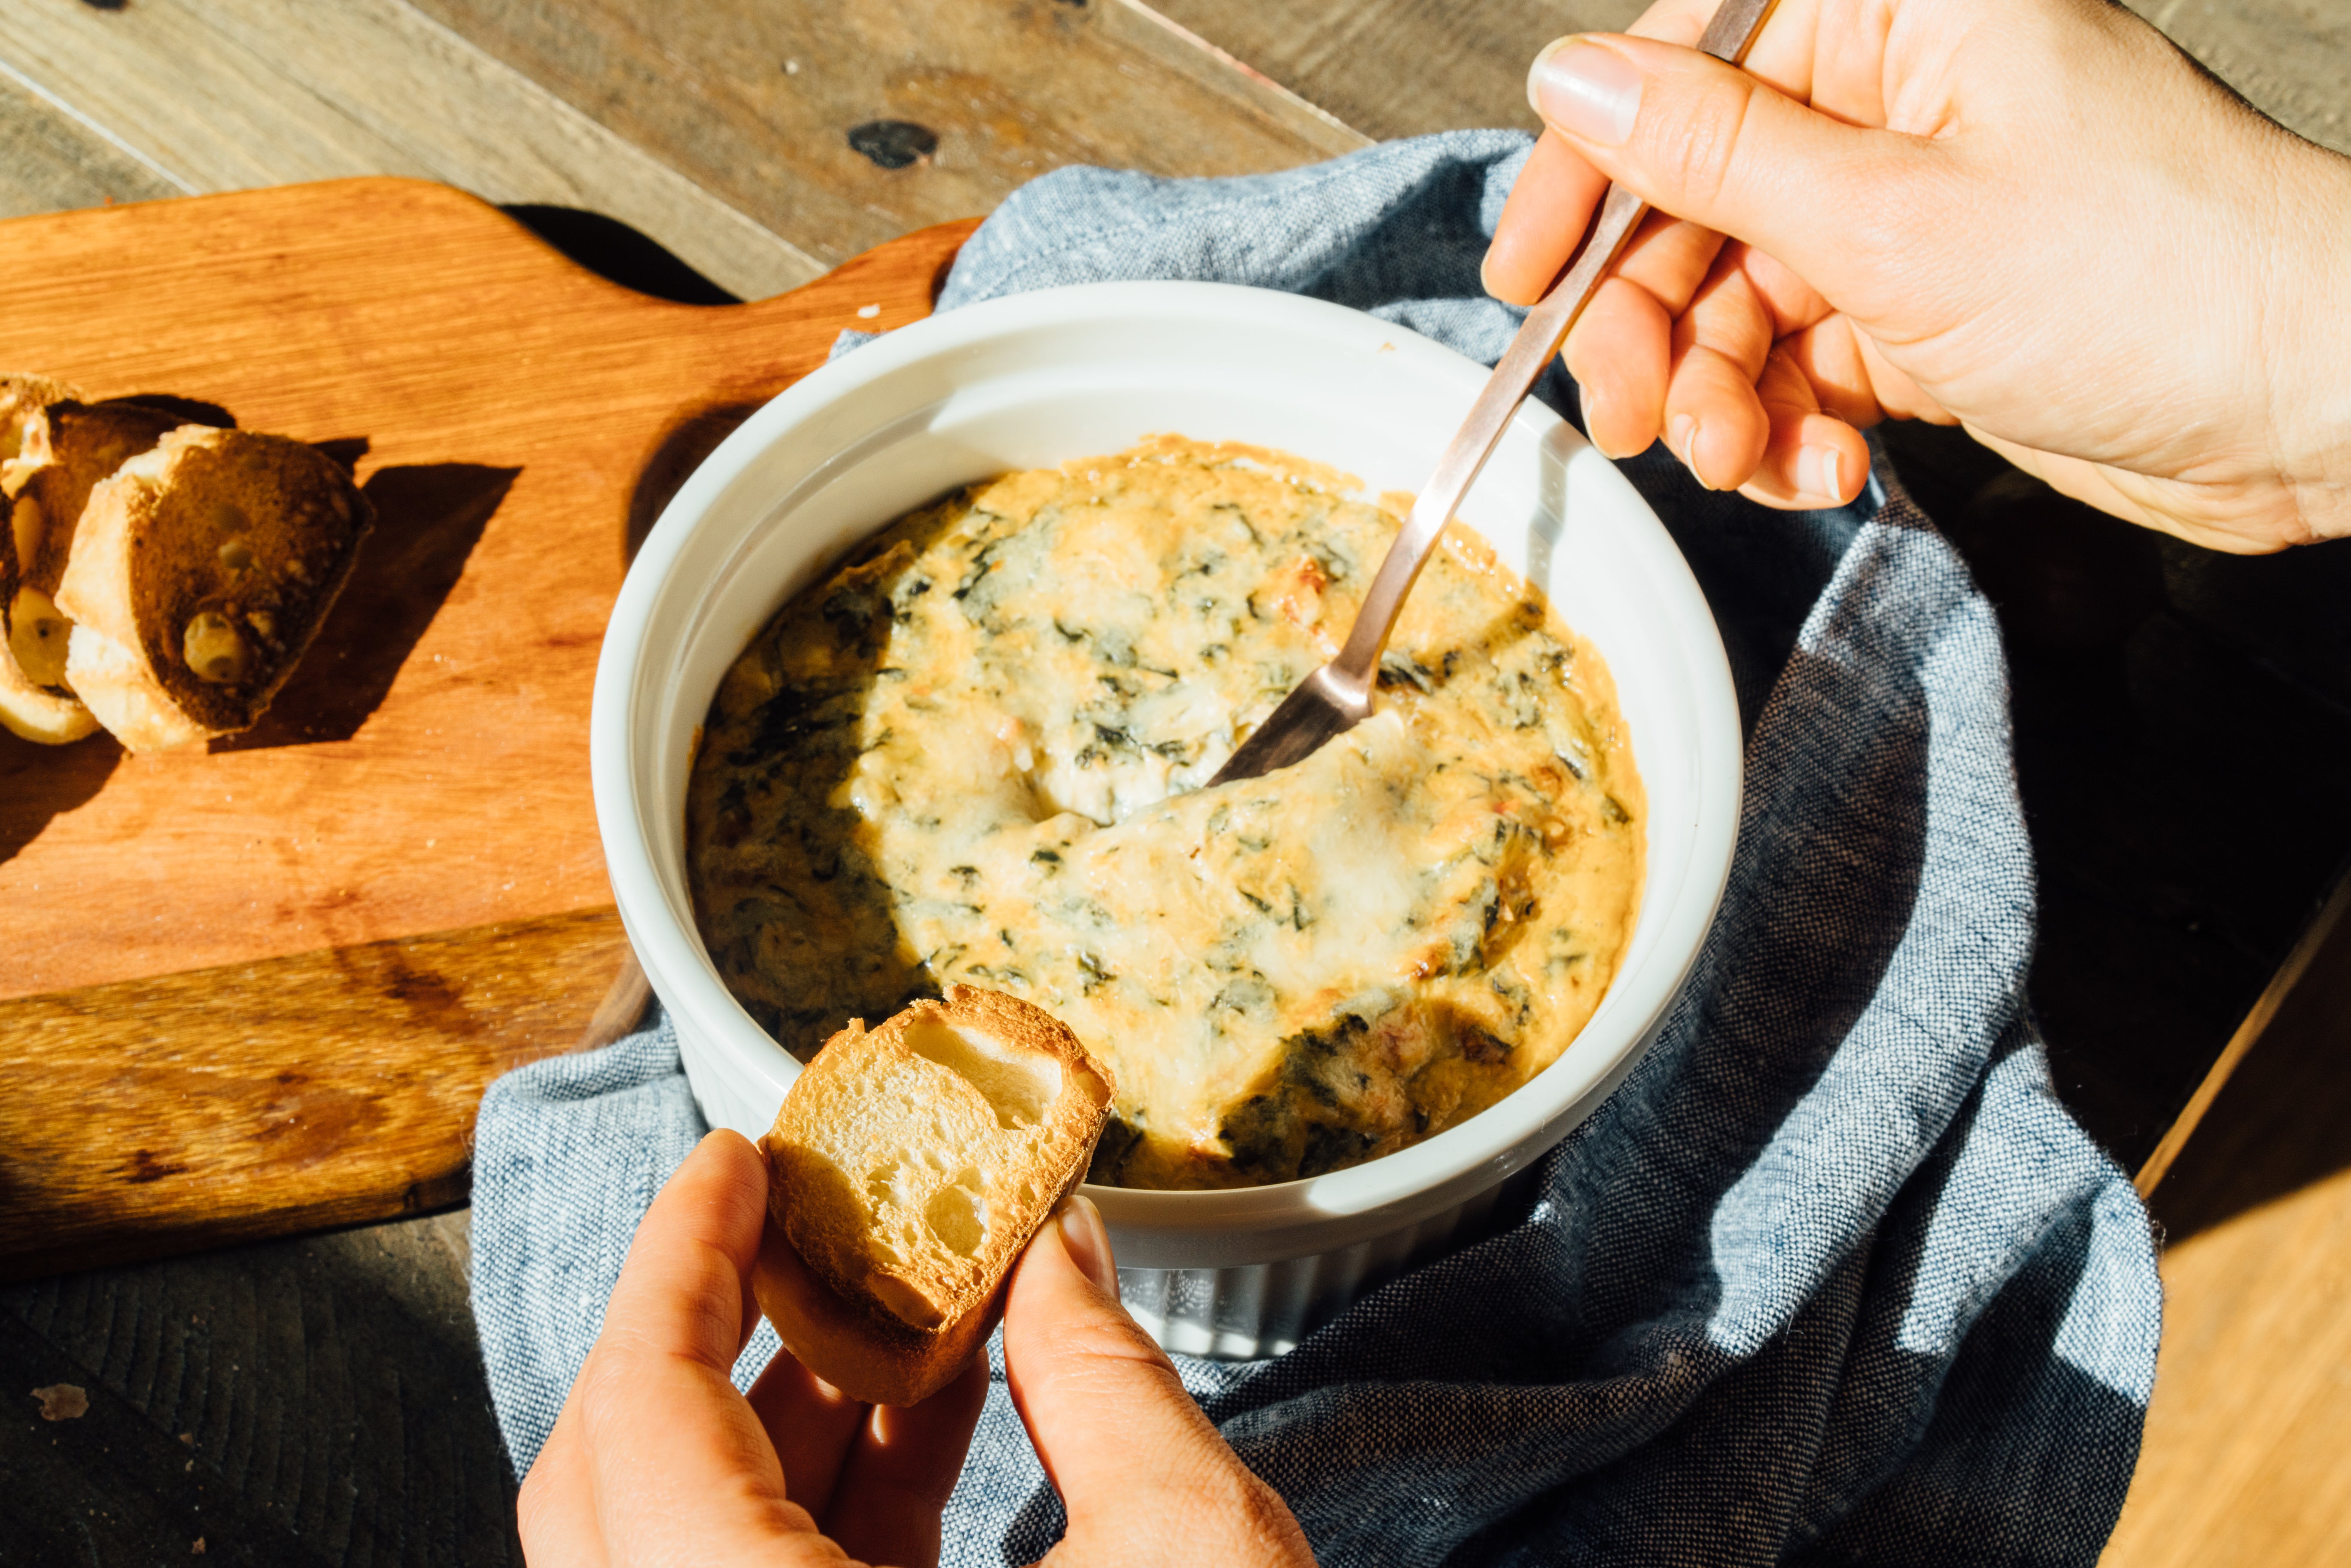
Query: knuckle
1106	1339
1256	1526
1695	143
536	1511
1104	1361
1270	1526
605	1380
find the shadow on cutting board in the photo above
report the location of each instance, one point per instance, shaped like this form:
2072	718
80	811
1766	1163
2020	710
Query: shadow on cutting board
618	254
428	517
38	783
677	452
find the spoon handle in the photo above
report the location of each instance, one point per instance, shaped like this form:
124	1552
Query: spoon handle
1727	37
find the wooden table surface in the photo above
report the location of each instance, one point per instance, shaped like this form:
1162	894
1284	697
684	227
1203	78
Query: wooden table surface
320	1401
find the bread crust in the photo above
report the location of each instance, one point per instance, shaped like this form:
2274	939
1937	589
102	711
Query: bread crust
240	538
38	713
48	714
69	448
907	1168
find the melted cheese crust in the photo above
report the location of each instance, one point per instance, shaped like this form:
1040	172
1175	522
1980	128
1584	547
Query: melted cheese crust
974	755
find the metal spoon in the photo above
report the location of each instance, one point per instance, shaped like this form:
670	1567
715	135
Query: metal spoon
1338	696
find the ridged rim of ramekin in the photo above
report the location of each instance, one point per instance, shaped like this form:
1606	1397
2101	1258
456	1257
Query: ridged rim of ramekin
1322	1211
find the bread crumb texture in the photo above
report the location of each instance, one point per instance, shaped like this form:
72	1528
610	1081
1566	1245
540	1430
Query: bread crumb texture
913	1162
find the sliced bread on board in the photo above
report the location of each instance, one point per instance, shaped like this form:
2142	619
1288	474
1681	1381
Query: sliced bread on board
908	1167
57	450
200	572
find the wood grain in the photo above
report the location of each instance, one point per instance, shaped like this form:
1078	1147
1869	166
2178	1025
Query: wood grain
110	1486
2247	1457
1401	67
756	102
317	1406
1406	67
426	770
316	1402
2291	58
263	1099
223	95
1167	43
55	161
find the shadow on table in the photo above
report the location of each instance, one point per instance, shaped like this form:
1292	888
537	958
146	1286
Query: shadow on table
300	1403
2183	741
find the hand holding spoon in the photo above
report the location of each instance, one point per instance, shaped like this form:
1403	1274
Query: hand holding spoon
1338	696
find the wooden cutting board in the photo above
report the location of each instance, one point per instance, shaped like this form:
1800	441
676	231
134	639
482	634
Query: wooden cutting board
259	988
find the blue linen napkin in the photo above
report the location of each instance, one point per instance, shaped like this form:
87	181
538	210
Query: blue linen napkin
1833	1278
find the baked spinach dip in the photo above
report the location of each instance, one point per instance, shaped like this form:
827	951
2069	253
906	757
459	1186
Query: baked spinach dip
976	753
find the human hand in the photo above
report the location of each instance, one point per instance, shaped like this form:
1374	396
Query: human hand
2033	217
1146	1479
657	1460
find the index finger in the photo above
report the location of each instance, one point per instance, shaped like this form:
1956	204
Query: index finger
1551	202
1783	53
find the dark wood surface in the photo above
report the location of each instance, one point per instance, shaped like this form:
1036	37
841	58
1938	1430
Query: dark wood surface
2183	735
329	1386
2244	1463
307	1402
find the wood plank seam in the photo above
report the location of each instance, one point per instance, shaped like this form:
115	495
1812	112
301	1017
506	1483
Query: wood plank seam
799	266
759	103
2248	1034
1146	32
97	126
289	105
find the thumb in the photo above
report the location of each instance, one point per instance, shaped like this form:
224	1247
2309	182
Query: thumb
1704	141
1143	1474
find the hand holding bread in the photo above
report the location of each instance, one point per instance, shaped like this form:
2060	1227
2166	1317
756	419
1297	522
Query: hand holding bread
910	1164
657	1459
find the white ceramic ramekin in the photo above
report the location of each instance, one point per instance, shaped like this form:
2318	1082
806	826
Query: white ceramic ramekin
1038	379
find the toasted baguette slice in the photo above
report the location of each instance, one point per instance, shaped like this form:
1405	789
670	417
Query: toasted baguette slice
68	448
200	572
37	709
908	1167
22	395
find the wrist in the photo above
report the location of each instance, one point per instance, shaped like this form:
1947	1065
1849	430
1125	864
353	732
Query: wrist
2308	337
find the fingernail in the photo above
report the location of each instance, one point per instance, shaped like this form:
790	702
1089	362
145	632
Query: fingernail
1681	435
1089	1242
1589	406
1586	90
1816	472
